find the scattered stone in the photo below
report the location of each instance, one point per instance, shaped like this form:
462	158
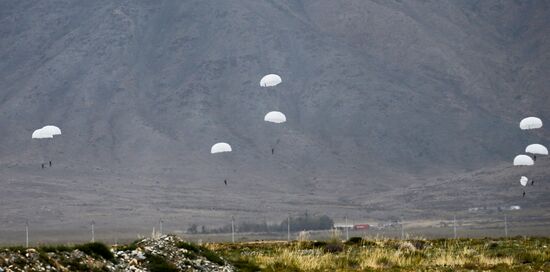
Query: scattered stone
135	260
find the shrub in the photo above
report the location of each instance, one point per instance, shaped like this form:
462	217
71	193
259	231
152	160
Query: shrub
354	241
419	244
211	256
43	257
369	243
129	247
189	246
319	244
244	265
157	263
97	249
492	245
56	249
530	257
207	253
334	248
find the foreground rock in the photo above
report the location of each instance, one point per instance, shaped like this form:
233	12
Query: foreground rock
167	253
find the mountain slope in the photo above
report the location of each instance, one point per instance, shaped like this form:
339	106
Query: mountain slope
377	93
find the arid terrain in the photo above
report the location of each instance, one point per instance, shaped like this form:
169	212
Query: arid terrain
397	110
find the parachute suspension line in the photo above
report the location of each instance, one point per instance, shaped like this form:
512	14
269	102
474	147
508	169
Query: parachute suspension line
220	148
43	137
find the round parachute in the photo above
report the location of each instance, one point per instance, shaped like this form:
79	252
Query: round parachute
53	130
536	149
220	147
275	117
523	181
523	160
270	80
530	123
41	134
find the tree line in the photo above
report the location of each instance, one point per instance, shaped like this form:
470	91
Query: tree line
298	223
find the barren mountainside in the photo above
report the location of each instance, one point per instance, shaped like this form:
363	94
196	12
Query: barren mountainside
378	94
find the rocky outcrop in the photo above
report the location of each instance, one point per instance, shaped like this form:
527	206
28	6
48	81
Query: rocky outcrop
167	253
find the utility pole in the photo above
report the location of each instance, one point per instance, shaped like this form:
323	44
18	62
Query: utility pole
347	229
506	226
288	228
27	233
93	233
402	230
160	226
233	229
454	226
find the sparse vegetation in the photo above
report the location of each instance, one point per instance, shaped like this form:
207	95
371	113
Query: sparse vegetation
96	249
196	249
131	246
358	254
157	263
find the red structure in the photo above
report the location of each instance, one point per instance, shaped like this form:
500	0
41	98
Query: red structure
361	226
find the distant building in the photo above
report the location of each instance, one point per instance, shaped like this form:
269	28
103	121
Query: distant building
351	226
343	226
361	226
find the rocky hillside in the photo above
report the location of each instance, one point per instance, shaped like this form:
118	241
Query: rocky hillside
165	253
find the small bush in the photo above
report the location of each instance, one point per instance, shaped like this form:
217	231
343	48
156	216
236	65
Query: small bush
319	244
529	257
157	263
334	248
354	241
198	250
43	257
211	256
97	249
492	245
129	247
419	244
244	265
55	249
189	246
369	243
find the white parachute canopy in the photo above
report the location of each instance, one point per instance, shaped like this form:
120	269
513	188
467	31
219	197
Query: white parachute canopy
523	160
275	117
53	130
523	180
220	147
270	80
536	149
530	123
41	134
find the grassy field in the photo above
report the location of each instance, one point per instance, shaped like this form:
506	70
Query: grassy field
357	254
